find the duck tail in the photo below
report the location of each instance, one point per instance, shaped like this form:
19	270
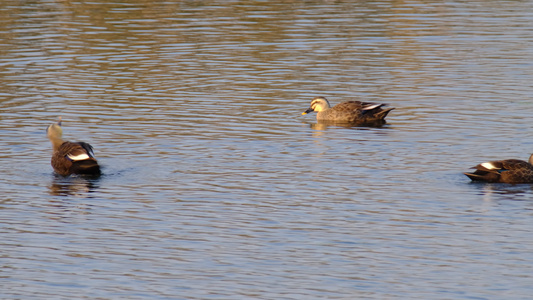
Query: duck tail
483	176
383	113
86	167
474	177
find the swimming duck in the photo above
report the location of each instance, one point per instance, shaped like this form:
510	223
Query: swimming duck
505	171
355	112
71	157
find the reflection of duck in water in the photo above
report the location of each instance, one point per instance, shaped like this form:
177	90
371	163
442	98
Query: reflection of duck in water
73	186
505	171
354	112
71	157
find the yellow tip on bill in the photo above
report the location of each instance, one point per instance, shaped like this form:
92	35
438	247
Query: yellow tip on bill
304	113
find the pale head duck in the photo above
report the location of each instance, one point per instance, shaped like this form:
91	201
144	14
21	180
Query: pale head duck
71	157
355	112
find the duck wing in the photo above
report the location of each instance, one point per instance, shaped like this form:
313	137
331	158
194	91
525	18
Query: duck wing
75	158
356	105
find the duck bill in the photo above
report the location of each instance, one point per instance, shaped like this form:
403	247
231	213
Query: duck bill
307	111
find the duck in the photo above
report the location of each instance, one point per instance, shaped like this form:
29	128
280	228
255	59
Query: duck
71	157
355	112
504	171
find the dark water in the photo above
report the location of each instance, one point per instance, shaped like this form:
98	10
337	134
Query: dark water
215	186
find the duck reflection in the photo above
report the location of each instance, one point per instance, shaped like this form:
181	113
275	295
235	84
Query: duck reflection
324	125
80	186
503	191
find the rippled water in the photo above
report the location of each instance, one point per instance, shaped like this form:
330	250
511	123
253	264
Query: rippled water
216	187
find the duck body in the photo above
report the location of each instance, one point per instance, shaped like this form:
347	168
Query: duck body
71	157
504	171
355	112
75	158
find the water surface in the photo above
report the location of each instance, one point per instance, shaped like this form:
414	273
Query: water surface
215	186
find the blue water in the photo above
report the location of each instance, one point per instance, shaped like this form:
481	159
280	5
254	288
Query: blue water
216	187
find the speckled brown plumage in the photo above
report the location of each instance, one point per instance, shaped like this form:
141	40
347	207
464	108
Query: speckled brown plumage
355	112
504	171
71	157
65	166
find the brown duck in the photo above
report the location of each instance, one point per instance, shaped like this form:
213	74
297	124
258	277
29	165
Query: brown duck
71	157
355	112
505	171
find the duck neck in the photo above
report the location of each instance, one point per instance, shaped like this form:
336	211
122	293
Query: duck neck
56	142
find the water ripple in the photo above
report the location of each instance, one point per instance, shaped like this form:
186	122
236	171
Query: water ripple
215	185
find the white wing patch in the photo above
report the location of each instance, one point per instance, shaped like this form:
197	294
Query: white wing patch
371	106
78	157
489	166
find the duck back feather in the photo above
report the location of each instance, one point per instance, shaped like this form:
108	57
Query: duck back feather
75	158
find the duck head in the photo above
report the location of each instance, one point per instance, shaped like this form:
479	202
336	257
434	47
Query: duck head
55	130
318	104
